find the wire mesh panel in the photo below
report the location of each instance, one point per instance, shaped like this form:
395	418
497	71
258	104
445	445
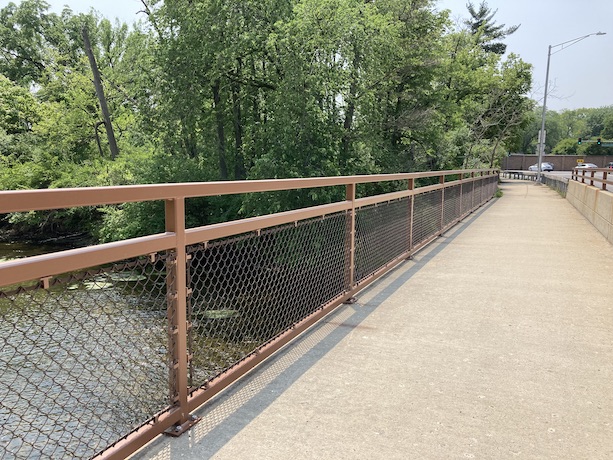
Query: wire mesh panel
382	234
452	205
480	190
486	190
83	362
248	289
427	216
467	197
493	187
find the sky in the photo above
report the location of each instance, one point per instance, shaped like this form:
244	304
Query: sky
579	76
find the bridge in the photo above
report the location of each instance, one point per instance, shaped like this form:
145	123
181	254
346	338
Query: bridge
494	342
487	334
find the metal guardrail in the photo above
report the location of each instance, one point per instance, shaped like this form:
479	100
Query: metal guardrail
590	176
521	175
103	348
557	183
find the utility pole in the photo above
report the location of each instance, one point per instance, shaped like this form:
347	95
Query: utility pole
541	142
106	116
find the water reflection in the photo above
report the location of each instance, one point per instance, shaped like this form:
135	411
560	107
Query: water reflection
11	251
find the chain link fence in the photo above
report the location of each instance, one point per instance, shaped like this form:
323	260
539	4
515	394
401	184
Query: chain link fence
382	234
88	357
452	206
248	289
83	361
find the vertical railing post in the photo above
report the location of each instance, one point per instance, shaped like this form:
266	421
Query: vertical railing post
411	186
177	293
472	195
604	180
461	210
442	182
350	196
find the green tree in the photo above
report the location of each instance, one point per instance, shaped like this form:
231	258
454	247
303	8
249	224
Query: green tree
607	130
211	89
566	146
22	42
484	29
19	109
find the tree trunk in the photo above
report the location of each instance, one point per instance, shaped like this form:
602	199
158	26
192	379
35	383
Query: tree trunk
239	161
100	93
493	155
98	143
221	134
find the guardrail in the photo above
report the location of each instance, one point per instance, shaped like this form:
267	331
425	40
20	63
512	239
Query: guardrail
557	183
102	348
520	175
591	176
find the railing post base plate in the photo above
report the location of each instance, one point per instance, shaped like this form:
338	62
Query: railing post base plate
177	430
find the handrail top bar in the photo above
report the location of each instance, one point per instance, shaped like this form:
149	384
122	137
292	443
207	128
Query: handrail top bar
45	199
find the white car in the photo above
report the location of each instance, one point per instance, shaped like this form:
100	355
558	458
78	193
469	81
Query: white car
586	166
544	167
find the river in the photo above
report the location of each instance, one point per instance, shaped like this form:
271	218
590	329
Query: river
83	363
10	251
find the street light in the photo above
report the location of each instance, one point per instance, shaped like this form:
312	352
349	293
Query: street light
541	142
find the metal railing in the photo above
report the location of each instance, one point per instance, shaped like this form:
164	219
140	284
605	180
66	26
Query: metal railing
557	183
102	348
593	176
521	175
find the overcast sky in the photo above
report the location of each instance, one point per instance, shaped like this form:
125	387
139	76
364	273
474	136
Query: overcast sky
579	76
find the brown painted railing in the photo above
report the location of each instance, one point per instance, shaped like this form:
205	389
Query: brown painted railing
102	348
594	176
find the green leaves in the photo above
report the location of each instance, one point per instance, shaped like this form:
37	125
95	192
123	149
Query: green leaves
212	89
19	110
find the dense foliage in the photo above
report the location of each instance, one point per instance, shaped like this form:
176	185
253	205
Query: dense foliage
203	90
564	130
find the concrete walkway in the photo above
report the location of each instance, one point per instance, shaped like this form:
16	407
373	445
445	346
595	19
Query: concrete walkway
496	342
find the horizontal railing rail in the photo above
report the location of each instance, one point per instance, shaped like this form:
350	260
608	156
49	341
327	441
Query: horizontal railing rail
594	176
519	174
554	182
105	347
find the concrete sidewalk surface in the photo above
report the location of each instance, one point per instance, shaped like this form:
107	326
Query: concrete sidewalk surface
495	342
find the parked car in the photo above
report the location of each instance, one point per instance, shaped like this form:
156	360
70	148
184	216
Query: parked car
586	166
544	167
610	165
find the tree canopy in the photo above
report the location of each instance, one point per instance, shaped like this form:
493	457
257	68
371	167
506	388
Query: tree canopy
484	29
230	90
564	130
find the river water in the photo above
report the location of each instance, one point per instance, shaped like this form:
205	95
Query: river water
82	363
86	361
10	251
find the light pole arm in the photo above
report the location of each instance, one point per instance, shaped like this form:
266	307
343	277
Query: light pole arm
572	42
541	142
